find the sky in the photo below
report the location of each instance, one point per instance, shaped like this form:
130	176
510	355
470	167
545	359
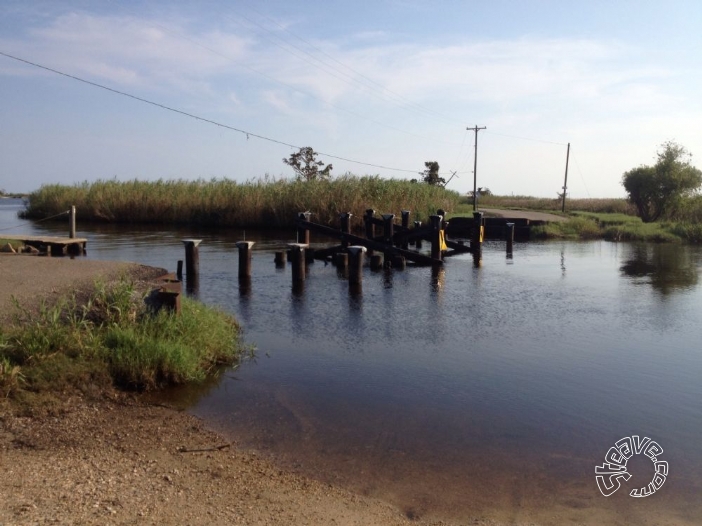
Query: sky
221	89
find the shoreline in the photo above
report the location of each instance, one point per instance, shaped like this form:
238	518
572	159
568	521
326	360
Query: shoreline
111	458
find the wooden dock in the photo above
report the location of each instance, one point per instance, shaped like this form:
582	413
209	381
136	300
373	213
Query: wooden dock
52	245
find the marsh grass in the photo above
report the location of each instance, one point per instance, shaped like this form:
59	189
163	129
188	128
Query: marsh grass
112	336
262	203
522	202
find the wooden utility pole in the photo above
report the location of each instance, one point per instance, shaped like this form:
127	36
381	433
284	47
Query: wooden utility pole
565	182
476	129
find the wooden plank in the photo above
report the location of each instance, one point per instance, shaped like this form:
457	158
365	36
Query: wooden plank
45	239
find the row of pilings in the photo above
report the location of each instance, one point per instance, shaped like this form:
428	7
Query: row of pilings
350	258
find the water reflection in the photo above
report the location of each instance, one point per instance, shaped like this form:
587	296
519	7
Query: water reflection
667	268
488	391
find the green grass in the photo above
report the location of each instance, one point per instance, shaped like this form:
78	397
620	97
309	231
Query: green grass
617	227
261	203
113	337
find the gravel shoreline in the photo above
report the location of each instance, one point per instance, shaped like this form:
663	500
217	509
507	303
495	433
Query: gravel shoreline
118	460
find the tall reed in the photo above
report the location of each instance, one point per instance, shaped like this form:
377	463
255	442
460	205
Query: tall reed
263	203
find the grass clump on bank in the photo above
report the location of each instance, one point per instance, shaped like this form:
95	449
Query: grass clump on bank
113	336
264	203
616	227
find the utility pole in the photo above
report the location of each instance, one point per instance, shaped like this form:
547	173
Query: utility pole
565	182
476	129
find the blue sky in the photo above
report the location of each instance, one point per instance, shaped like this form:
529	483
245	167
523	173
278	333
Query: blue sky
388	83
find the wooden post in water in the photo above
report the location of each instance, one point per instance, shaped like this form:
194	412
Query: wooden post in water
345	228
476	244
72	222
399	262
376	261
436	237
509	237
405	223
244	258
418	241
179	271
297	258
388	228
281	258
303	234
341	259
192	257
356	253
370	226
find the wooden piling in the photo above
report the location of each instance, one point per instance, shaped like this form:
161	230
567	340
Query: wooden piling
192	257
297	258
345	220
509	237
341	259
244	258
72	222
388	228
370	226
418	242
244	286
399	262
476	243
405	214
303	234
356	253
376	262
281	258
436	236
179	271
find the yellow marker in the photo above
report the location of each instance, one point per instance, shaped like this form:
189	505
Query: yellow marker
482	233
442	241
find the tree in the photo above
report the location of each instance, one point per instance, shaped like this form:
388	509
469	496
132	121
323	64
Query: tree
307	167
431	174
656	190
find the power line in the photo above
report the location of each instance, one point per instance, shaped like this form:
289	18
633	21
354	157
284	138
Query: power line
398	99
285	84
197	117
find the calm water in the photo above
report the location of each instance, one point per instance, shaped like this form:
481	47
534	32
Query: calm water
466	393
